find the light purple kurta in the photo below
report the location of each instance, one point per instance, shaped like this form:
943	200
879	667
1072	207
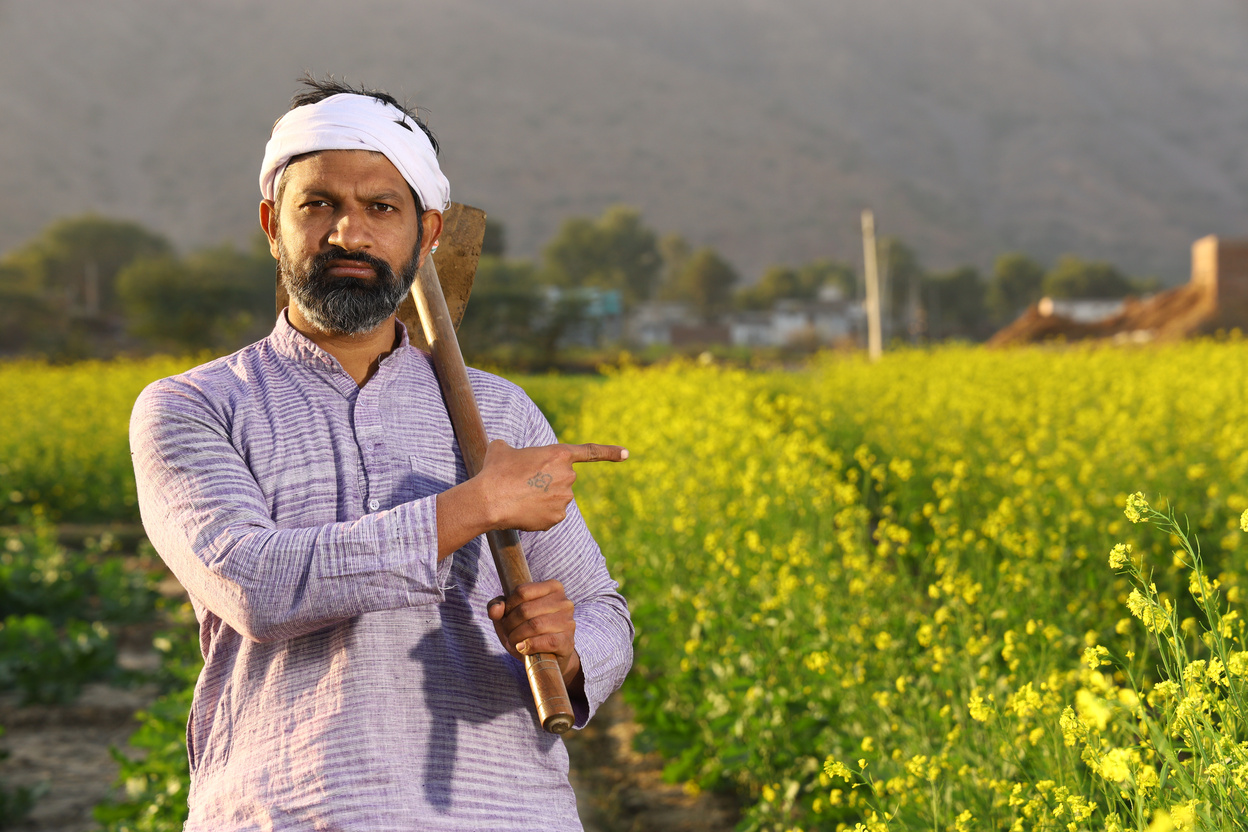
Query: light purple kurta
351	682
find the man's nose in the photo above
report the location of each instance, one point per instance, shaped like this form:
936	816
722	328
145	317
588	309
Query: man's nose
350	232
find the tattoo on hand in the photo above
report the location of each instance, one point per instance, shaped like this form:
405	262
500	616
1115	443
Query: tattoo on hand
541	481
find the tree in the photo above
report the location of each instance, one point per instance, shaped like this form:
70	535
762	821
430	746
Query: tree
494	243
1016	283
74	262
613	252
801	283
903	278
776	283
27	322
953	303
504	307
820	274
674	252
58	291
706	281
1075	278
212	299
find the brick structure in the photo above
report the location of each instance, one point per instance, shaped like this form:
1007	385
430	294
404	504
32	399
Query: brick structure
1216	298
1220	269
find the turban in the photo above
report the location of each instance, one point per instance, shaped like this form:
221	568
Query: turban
356	122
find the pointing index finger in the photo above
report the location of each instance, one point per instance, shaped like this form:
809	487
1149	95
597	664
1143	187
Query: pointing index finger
591	452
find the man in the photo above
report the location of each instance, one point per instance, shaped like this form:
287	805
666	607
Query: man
361	672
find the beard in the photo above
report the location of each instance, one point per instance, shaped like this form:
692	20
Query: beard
345	305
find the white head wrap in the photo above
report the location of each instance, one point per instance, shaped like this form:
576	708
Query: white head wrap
356	122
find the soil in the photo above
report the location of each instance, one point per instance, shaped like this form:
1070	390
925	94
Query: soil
66	748
619	789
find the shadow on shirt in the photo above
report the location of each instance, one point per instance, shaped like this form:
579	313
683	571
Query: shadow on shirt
468	677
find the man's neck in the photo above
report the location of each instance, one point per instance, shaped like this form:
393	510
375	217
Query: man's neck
359	354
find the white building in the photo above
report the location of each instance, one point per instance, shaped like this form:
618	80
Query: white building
1081	310
826	320
652	322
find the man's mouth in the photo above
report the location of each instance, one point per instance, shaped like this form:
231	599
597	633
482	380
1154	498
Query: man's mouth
350	268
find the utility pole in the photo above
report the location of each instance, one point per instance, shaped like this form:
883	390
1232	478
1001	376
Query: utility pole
875	342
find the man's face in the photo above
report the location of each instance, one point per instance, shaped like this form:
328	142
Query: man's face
347	239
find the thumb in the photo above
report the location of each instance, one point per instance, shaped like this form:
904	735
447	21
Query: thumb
496	609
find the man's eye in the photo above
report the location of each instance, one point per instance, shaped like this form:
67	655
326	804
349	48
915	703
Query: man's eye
315	203
383	207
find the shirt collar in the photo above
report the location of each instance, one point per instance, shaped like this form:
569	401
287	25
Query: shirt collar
296	346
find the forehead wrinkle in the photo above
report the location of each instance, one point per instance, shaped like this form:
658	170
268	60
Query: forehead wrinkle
384	182
307	161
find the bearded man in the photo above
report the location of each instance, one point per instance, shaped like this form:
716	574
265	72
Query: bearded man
361	671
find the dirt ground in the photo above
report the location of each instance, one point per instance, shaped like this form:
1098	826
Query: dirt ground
621	790
67	748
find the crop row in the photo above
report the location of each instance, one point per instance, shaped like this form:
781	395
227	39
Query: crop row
857	561
888	576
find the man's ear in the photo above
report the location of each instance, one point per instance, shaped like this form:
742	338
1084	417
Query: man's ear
432	222
268	221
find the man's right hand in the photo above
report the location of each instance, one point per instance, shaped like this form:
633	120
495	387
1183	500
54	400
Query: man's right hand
530	488
517	488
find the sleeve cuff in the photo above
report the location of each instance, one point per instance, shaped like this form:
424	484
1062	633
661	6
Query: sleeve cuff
411	550
602	658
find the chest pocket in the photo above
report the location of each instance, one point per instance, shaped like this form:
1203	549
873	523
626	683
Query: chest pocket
432	470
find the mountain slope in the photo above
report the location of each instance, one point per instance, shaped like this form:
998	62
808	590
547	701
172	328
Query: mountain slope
1112	129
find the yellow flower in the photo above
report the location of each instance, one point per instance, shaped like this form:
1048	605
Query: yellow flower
817	661
1092	709
835	768
1147	611
1136	507
979	710
1163	692
1026	701
1189	708
1073	729
1118	555
917	765
1216	672
1117	765
1243	521
1194	673
1095	657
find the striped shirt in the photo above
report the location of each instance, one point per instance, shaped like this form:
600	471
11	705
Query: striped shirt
351	681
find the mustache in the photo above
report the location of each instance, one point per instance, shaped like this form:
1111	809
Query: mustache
322	260
344	304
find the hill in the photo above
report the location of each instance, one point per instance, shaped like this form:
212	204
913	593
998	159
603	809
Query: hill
1111	129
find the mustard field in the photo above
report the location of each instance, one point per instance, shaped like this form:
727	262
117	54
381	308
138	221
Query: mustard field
959	589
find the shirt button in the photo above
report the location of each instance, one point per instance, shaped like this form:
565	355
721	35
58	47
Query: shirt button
373	505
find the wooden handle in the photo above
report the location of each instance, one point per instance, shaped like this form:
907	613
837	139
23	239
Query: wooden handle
554	708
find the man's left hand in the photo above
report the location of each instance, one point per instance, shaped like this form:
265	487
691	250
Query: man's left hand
537	618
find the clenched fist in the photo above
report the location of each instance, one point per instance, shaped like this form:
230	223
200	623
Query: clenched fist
537	618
